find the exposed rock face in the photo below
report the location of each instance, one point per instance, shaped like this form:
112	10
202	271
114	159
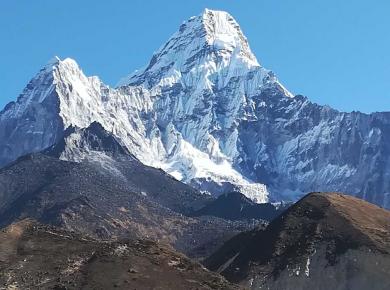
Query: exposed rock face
78	144
33	255
205	111
325	241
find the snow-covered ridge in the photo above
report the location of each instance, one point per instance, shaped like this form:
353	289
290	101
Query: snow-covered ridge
205	54
78	100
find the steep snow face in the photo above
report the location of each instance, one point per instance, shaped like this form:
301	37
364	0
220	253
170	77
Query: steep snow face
296	147
201	84
32	122
203	46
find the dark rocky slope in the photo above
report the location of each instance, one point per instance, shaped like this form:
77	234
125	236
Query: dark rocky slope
88	182
325	241
35	256
98	148
93	200
109	195
236	206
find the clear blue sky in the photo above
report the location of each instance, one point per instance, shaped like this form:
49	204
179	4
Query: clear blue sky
336	52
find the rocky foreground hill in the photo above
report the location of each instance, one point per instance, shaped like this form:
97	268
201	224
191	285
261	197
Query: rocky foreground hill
325	241
36	256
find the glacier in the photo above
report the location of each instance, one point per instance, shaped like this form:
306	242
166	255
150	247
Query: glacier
205	111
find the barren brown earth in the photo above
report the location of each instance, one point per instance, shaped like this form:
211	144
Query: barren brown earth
36	256
323	234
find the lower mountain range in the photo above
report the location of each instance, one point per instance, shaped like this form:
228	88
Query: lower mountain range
108	193
111	213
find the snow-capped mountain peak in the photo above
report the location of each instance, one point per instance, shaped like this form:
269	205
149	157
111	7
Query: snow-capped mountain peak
181	113
54	73
203	46
41	86
62	65
224	33
52	62
207	113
